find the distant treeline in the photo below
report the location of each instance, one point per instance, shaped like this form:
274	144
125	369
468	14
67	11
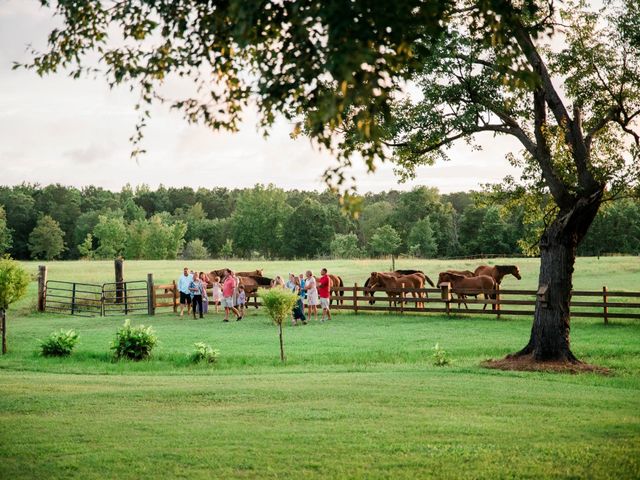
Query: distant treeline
57	221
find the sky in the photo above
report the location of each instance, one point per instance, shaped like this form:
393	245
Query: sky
76	132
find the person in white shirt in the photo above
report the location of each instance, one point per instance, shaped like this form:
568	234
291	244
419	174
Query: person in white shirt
183	287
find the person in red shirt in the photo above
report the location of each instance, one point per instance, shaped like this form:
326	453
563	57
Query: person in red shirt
324	289
228	289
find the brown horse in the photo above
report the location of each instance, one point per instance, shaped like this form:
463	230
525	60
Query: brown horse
397	273
251	285
392	284
223	271
498	272
472	286
464	273
336	281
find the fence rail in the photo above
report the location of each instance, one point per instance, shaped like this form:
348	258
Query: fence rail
444	300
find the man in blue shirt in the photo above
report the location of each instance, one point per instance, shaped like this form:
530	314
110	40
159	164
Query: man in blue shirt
183	287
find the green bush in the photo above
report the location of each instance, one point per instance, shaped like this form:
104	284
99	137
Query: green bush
59	344
204	353
278	302
440	358
134	343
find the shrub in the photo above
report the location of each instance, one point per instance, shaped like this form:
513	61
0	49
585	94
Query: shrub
59	344
440	358
134	343
204	353
279	302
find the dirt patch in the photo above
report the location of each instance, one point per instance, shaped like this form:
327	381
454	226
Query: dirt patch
526	363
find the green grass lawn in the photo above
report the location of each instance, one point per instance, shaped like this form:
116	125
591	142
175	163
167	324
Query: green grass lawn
359	397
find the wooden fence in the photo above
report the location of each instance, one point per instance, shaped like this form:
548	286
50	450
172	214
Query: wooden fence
603	304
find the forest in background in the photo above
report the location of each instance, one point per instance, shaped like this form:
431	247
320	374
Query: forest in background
57	221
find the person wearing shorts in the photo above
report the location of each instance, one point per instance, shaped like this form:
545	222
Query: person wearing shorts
312	294
183	287
324	292
228	290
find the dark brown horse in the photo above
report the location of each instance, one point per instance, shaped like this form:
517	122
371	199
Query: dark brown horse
392	284
469	286
367	283
498	272
251	285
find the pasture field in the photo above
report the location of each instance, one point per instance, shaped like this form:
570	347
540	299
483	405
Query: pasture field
359	397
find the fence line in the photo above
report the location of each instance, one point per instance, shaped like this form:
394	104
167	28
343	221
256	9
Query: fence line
444	300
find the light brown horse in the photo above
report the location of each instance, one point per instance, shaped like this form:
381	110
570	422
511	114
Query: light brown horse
396	273
498	272
472	286
392	284
223	271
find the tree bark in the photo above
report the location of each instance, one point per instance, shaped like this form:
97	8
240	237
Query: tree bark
550	339
3	327
281	342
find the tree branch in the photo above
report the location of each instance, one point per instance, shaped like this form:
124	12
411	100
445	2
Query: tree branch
573	134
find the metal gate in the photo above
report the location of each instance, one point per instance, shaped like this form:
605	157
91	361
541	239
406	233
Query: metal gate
84	299
90	300
125	298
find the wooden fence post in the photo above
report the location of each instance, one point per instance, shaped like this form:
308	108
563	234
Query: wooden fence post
355	298
42	283
175	298
151	295
119	267
73	299
497	304
605	306
402	299
445	294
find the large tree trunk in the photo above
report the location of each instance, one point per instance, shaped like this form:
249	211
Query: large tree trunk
549	339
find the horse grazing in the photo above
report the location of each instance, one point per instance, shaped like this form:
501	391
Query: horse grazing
392	284
472	286
498	272
396	273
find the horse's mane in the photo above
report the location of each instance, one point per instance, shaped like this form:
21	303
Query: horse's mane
505	269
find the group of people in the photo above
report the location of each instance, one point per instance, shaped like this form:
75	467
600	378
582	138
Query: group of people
314	291
228	292
193	288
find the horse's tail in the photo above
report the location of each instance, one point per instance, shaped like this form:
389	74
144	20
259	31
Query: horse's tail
341	292
429	281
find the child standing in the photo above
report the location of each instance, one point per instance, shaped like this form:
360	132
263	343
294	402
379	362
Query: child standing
216	292
241	301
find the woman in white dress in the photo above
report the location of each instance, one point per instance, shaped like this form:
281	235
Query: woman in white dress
312	294
216	292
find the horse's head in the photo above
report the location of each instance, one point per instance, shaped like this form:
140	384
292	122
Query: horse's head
516	272
443	277
371	282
